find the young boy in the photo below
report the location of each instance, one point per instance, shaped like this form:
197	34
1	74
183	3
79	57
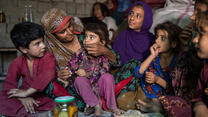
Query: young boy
35	66
201	42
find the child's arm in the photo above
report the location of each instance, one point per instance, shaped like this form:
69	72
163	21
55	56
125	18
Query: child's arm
21	92
152	78
146	63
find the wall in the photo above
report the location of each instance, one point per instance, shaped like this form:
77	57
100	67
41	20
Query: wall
14	9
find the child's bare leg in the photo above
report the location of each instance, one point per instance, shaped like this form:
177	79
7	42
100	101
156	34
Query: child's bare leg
200	110
98	110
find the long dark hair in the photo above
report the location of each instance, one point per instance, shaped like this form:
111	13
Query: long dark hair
103	7
100	29
173	31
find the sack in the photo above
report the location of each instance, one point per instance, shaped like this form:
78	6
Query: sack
126	101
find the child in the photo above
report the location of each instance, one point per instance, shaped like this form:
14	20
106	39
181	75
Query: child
154	71
201	42
35	66
100	11
93	79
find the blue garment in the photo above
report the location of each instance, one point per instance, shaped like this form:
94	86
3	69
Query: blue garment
123	5
155	90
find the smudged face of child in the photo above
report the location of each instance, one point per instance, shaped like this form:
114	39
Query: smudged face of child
91	38
163	42
36	48
201	41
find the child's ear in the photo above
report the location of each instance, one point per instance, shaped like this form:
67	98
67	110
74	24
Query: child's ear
103	42
23	49
173	44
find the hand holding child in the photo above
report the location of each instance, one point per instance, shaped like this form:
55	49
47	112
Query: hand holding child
150	77
29	103
64	74
95	49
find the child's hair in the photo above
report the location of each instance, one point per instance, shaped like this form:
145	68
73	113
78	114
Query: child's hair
201	21
100	29
201	2
173	31
103	7
23	33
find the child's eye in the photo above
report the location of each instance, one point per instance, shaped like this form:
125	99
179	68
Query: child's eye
163	38
92	37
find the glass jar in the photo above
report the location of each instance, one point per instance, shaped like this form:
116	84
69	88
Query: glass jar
65	107
2	17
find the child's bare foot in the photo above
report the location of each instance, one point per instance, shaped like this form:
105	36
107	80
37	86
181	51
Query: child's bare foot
118	111
140	105
98	110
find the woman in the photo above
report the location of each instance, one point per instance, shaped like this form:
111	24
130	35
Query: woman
133	44
63	39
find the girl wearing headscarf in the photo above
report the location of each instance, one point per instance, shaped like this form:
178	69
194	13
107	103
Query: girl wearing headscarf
64	39
133	45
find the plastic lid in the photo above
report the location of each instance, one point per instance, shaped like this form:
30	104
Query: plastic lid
64	99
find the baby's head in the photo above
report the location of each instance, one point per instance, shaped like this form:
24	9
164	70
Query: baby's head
201	40
96	32
28	38
167	35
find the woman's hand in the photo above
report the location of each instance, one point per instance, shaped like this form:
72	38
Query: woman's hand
154	50
29	103
64	74
95	49
81	72
150	78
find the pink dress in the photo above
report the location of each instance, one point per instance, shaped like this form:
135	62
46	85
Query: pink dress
44	70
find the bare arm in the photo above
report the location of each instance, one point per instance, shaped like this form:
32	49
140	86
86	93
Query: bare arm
21	92
146	63
161	82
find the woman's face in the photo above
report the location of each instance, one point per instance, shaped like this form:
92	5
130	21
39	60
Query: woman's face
135	18
91	38
66	34
201	42
162	41
98	12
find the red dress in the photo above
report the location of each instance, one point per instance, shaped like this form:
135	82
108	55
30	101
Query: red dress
44	70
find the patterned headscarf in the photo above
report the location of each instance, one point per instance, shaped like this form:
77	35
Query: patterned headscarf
53	20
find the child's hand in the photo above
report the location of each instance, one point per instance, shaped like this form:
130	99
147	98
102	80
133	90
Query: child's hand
154	49
81	72
29	103
17	93
150	77
64	74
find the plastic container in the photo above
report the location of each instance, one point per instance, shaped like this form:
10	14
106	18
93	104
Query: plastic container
65	107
